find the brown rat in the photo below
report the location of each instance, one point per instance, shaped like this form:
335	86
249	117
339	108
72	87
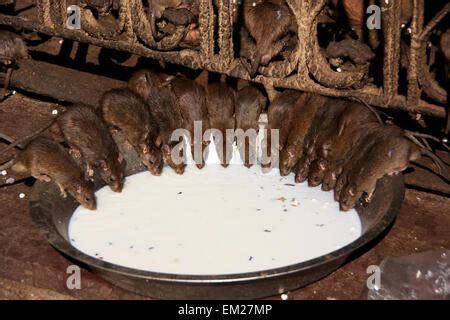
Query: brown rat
305	110
178	16
372	136
389	155
191	103
127	111
145	82
220	102
279	117
163	107
352	124
267	23
47	160
157	7
12	49
323	126
249	104
341	150
88	136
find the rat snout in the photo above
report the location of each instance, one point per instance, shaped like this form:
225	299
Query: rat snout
347	199
301	175
92	206
326	186
179	170
285	167
314	181
156	168
199	165
284	171
329	181
116	186
344	206
89	202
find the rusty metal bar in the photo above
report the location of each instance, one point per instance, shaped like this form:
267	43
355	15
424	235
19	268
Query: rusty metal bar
391	31
185	57
61	83
225	34
308	62
414	90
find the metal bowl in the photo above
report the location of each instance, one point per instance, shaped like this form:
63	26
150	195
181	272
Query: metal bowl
52	214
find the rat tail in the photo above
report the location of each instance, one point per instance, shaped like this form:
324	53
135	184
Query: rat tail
443	169
372	109
426	136
424	151
7	165
26	139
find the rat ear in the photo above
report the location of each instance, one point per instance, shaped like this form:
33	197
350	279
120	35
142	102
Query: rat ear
158	141
290	151
390	153
322	164
77	187
103	164
415	153
351	191
145	148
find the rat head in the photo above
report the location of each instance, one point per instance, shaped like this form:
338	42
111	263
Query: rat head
176	164
396	157
329	180
349	196
249	155
151	157
144	82
325	149
317	172
338	187
302	171
21	50
112	173
83	193
287	160
200	163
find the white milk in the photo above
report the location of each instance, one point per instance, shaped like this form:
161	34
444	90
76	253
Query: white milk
212	221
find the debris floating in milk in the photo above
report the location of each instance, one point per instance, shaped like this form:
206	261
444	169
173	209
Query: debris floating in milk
212	221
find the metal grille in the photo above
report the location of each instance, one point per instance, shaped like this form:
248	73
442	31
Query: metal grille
304	69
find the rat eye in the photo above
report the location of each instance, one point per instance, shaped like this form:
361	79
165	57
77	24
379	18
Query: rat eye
87	199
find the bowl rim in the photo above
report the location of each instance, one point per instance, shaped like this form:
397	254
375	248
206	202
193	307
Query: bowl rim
48	229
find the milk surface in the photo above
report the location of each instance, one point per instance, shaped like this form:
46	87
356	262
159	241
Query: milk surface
213	221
